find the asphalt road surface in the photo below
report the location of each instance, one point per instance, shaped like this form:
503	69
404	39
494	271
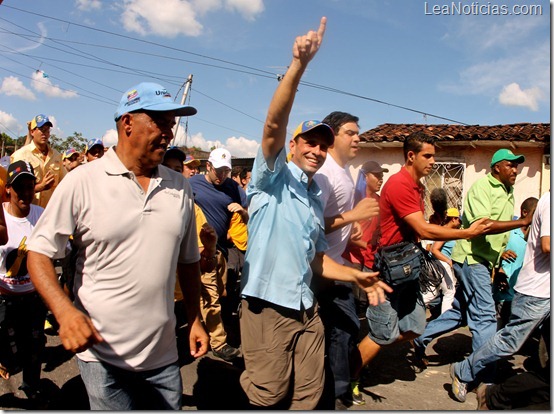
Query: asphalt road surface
209	383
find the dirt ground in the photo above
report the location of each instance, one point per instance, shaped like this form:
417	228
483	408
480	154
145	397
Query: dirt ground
209	383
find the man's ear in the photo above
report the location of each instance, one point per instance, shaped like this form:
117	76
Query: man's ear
126	122
292	146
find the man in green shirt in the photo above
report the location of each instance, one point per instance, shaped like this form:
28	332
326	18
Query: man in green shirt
491	196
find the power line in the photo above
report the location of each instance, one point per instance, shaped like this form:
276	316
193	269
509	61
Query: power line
54	77
308	84
9	130
143	53
63	89
329	89
139	40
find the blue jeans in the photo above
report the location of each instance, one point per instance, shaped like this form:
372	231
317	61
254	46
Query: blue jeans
402	311
448	321
473	301
528	312
112	388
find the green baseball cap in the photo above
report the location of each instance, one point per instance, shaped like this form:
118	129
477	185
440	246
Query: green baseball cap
506	155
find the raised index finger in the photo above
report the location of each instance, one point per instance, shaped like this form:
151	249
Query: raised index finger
322	26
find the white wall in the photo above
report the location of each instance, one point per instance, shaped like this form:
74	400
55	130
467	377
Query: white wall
477	160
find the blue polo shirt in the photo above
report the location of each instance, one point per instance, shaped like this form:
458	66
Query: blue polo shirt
285	230
517	244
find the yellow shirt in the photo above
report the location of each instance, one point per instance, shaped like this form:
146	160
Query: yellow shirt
200	220
41	165
3	180
238	232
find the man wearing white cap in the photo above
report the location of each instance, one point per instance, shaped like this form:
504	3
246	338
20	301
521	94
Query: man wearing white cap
46	161
218	196
133	223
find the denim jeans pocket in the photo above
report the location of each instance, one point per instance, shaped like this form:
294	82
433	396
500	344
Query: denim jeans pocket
382	324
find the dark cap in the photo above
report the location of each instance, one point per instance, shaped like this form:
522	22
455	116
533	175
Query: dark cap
373	167
18	168
175	152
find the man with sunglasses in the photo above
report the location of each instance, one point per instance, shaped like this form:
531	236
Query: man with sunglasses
46	161
133	223
218	196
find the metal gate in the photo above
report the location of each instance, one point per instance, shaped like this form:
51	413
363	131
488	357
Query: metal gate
450	177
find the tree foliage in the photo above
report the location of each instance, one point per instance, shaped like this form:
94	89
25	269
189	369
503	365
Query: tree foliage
76	141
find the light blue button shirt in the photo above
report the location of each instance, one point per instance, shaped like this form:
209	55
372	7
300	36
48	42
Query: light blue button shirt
285	230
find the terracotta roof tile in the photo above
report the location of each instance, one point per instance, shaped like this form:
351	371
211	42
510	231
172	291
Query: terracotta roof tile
451	132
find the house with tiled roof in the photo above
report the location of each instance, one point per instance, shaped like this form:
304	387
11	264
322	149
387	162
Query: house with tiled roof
463	154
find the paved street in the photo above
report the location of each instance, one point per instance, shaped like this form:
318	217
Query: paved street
212	384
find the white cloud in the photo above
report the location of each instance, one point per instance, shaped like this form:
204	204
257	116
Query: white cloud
242	147
110	138
180	17
41	83
56	130
9	125
12	86
87	5
239	147
487	34
249	9
513	95
147	17
529	67
204	6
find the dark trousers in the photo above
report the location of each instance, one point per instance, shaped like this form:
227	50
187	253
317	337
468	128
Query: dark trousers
22	337
522	391
342	325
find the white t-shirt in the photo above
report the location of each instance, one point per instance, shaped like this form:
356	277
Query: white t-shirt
13	255
129	242
534	277
337	189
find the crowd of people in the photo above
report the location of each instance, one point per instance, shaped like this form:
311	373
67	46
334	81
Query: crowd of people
293	248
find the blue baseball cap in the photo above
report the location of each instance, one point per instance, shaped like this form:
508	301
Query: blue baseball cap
39	121
68	153
93	143
152	97
306	126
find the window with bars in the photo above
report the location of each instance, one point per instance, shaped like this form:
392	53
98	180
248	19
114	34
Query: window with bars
448	176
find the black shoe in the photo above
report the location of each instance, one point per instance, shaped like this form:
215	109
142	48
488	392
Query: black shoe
226	353
341	405
419	361
36	397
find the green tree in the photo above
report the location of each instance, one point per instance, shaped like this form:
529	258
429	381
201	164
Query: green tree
10	143
76	141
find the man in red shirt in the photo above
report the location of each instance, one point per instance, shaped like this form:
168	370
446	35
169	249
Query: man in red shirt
402	316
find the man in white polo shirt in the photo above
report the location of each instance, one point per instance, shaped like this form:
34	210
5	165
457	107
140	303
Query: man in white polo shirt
134	225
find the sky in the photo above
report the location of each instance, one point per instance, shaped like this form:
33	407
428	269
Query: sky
388	61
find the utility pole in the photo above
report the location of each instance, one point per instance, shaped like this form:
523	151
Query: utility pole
188	82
